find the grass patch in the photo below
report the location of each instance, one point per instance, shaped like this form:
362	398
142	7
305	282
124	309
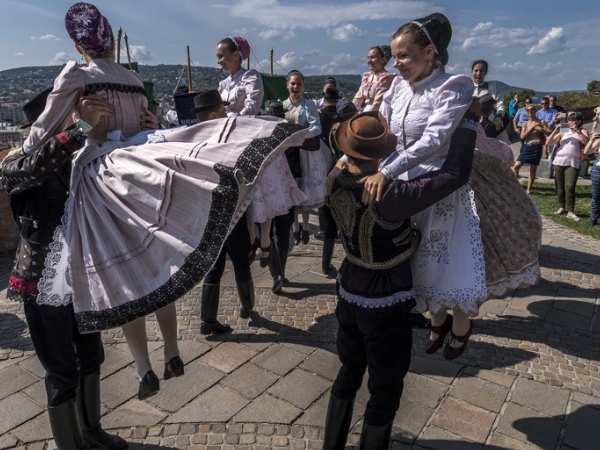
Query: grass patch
544	197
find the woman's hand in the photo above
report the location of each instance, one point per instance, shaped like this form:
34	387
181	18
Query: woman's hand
333	174
92	108
373	187
498	123
148	121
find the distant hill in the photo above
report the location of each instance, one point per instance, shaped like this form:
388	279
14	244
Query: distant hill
19	85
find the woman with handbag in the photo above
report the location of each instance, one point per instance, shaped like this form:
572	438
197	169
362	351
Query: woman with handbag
533	135
304	112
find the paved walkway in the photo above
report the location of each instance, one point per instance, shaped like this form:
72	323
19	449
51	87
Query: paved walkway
530	377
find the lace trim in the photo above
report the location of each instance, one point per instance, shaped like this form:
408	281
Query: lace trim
380	302
528	276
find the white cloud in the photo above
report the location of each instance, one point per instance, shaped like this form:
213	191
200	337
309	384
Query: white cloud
485	35
140	53
61	58
46	37
311	15
343	63
345	33
289	59
514	67
19	54
553	42
273	34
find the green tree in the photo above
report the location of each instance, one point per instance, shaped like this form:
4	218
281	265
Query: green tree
593	87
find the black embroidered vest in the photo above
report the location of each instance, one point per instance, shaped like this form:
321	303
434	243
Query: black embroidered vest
369	241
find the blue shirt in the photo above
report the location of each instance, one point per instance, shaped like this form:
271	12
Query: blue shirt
521	117
546	116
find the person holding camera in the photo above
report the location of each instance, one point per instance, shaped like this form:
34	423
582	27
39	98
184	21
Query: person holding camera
567	161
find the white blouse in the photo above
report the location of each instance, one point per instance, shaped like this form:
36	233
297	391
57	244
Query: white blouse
244	91
424	116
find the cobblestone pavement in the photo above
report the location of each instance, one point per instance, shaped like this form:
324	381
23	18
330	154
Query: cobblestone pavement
529	378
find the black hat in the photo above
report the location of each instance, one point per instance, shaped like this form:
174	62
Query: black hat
347	111
365	136
332	94
330	80
182	89
206	100
35	107
487	102
438	30
275	108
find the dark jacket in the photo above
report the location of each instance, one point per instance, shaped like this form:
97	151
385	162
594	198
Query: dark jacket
38	188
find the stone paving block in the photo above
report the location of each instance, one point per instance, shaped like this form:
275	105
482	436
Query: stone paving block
493	306
575	306
114	360
527	425
528	307
540	397
315	415
279	359
490	375
464	420
118	388
585	399
37	429
269	409
323	362
37	393
300	388
423	390
478	392
33	365
438	369
583	428
218	404
440	439
7	441
502	441
250	380
568	293
15	410
410	419
569	320
13	379
134	413
300	348
228	356
178	391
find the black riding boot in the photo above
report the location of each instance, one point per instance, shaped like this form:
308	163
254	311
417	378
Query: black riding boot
275	270
246	293
328	246
337	423
88	407
208	310
65	426
375	438
282	254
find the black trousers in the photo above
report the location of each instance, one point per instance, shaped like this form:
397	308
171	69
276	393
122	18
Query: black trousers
65	354
380	340
237	246
281	226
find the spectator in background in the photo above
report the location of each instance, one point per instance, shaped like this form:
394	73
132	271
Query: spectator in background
533	135
479	70
513	106
521	116
591	148
553	104
330	83
567	161
546	113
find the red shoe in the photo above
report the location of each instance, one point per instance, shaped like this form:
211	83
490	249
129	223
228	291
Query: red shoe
455	352
441	330
264	260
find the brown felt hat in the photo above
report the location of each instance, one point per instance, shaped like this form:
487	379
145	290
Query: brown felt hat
365	136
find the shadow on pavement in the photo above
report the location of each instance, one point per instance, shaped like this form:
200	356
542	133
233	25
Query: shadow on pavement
13	328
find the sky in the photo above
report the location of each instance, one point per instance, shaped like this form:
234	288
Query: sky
546	46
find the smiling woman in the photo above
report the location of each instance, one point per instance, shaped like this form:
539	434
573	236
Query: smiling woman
376	82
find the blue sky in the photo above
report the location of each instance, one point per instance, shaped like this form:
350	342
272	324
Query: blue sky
547	46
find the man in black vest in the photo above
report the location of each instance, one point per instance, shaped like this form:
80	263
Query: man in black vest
375	294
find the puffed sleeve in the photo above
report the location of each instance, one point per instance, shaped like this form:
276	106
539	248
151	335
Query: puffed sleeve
69	86
253	85
312	116
388	96
359	97
450	102
383	85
